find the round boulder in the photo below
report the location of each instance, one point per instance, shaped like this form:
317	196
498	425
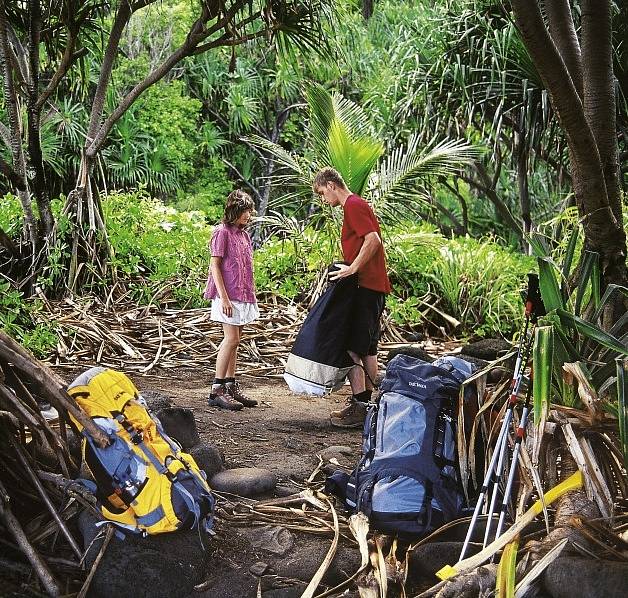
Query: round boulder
488	349
412	351
155	400
179	423
244	481
208	458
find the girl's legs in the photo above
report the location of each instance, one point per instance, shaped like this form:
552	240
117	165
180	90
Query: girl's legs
232	385
228	351
220	395
231	369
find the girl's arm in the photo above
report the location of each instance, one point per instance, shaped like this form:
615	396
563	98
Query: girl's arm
215	265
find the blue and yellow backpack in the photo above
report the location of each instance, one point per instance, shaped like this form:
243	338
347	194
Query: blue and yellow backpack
145	483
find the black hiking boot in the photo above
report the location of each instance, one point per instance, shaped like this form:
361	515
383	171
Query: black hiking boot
236	393
223	399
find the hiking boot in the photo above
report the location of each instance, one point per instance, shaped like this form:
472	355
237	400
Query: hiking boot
236	393
351	416
223	399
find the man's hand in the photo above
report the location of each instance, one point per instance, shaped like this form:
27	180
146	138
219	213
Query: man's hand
342	272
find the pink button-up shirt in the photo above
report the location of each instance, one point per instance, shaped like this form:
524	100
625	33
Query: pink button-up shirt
234	246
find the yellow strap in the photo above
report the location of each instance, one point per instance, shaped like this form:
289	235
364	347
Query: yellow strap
573	482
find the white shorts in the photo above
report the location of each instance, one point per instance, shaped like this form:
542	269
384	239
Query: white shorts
243	313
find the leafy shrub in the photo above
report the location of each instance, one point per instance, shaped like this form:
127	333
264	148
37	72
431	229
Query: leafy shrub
478	282
154	244
208	193
11	215
18	319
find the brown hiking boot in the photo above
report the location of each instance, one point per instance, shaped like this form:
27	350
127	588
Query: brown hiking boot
223	399
236	393
350	416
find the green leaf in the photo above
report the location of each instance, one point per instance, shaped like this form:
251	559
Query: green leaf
590	271
592	332
622	405
571	247
550	291
353	158
611	289
542	362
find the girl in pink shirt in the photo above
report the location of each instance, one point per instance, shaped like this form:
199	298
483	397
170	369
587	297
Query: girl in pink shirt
231	289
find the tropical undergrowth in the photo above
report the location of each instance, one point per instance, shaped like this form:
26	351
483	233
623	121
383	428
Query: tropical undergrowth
461	286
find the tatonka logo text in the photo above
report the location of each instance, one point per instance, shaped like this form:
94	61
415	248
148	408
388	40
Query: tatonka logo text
417	384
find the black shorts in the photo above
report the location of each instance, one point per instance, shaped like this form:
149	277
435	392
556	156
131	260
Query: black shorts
364	330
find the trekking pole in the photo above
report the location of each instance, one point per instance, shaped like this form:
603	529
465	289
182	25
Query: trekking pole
502	448
533	309
489	478
520	435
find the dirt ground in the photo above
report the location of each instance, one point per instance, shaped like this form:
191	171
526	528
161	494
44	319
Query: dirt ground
285	434
279	434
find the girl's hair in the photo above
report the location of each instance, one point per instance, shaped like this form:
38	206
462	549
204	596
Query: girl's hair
238	202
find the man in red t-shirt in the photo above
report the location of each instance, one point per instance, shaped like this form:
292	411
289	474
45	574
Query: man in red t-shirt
363	253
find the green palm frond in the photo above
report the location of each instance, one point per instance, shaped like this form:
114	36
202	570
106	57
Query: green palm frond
353	158
401	178
300	26
321	116
352	116
294	173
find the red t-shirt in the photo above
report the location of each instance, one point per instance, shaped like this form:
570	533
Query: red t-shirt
359	220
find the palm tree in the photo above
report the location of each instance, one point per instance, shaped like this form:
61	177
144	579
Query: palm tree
395	180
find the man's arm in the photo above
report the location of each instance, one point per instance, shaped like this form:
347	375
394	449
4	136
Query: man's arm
371	243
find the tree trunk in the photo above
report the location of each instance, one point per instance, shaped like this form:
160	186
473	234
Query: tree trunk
596	203
38	185
599	92
521	150
367	9
563	32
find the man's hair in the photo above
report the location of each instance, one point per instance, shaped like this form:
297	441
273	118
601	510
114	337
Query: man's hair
327	175
238	202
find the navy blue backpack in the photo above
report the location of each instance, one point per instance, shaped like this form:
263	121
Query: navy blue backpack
407	480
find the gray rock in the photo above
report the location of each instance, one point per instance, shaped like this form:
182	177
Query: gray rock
208	458
285	490
173	562
425	560
570	576
179	423
337	451
308	553
274	539
258	569
155	400
244	481
488	349
291	466
412	350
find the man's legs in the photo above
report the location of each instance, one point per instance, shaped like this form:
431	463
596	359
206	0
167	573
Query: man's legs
365	335
357	378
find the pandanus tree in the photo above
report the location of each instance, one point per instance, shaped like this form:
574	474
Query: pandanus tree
60	31
576	68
